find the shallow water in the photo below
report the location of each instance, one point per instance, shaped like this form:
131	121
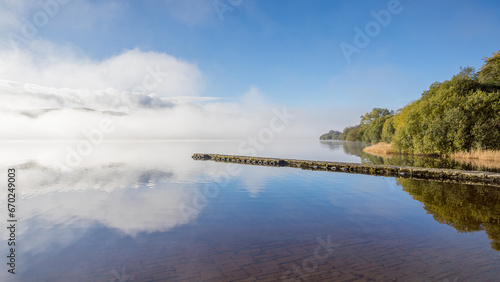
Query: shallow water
356	149
146	211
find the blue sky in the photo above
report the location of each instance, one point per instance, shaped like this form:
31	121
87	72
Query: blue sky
288	50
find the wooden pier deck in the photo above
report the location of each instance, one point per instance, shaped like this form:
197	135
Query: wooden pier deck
451	175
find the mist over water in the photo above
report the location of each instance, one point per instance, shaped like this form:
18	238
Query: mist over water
104	103
147	95
127	198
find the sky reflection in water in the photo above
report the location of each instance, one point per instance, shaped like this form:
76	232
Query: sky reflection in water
124	207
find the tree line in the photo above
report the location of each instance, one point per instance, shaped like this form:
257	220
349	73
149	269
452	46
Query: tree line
467	208
460	114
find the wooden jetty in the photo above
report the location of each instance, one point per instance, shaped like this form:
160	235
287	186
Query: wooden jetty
451	175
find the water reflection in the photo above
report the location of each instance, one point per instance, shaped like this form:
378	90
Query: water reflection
129	187
120	206
119	197
467	208
356	149
349	148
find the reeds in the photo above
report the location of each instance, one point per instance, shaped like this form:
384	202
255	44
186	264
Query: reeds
489	159
482	155
380	149
479	158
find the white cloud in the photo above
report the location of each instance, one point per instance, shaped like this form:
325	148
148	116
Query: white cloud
254	98
30	111
15	95
55	91
158	94
13	12
132	70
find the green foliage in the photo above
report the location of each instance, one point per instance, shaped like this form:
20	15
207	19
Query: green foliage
489	73
369	130
331	135
354	133
450	118
375	114
460	114
388	130
464	81
373	133
467	208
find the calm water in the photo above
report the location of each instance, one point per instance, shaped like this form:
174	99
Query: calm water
356	149
145	211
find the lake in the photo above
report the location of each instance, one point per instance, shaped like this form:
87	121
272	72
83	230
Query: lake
146	211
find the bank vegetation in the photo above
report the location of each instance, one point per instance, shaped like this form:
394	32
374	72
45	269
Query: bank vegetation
459	118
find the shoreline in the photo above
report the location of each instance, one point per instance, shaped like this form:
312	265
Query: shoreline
484	158
447	175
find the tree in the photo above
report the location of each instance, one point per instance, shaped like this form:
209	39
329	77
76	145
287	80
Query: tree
373	133
460	114
467	208
375	113
331	135
465	80
489	73
388	130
